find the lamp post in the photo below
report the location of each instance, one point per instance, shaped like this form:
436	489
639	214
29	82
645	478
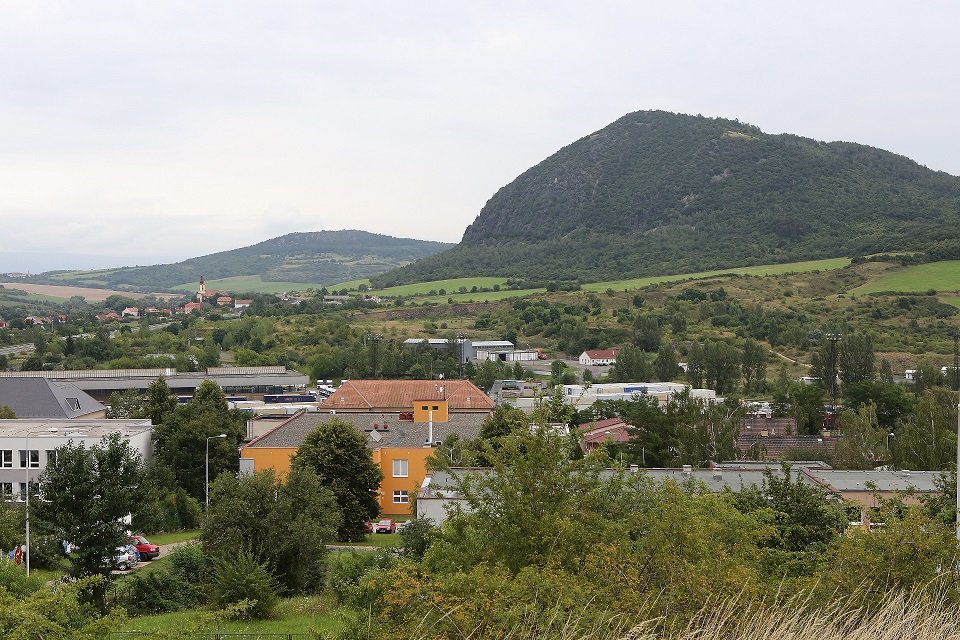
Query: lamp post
206	467
26	503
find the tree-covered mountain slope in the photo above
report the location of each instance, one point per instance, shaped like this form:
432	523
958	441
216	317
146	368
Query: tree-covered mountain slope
317	257
659	193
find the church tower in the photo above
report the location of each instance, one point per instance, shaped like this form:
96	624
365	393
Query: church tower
202	291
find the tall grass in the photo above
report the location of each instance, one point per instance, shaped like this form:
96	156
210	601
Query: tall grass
900	616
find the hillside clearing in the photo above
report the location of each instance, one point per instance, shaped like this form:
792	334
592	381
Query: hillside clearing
758	270
941	276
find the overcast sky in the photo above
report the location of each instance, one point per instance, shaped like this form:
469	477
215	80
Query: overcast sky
141	132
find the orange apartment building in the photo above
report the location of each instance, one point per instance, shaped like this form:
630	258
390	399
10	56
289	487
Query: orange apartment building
404	421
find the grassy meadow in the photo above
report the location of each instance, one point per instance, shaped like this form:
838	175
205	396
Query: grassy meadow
758	270
304	614
941	276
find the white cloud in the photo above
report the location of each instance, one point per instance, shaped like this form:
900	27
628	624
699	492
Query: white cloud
196	127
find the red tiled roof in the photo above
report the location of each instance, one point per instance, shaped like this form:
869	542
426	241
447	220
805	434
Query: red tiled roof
601	354
601	424
382	395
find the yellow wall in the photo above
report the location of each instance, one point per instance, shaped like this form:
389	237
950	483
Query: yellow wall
279	460
416	472
421	410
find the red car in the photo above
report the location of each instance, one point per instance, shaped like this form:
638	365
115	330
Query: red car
386	526
146	549
368	527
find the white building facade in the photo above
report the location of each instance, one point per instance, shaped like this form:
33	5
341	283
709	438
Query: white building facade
27	446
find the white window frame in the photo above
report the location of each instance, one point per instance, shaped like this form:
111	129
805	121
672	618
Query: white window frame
401	468
30	461
6	459
6	489
401	497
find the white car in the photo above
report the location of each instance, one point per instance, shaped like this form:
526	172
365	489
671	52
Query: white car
127	557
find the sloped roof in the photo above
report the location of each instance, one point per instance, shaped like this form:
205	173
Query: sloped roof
390	430
43	398
601	354
399	395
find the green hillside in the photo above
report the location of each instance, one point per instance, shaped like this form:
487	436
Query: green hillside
315	258
659	193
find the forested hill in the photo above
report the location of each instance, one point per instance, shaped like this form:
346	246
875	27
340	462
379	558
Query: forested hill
659	193
320	257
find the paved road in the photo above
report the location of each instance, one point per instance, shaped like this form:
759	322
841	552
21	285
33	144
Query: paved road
165	550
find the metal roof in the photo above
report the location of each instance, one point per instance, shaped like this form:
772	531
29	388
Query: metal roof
42	398
391	432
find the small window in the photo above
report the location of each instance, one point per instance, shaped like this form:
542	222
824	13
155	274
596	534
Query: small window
401	468
436	408
401	497
73	403
426	407
6	459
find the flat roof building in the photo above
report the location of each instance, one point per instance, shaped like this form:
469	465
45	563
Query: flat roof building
100	383
27	446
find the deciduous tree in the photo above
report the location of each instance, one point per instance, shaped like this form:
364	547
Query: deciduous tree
338	453
86	493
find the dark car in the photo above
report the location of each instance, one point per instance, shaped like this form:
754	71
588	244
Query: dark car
386	526
146	549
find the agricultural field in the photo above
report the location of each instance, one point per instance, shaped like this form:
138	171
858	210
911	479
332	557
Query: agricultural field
451	286
63	292
941	276
249	284
349	284
486	296
758	270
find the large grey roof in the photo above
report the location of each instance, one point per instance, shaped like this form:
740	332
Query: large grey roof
736	479
848	481
389	429
42	398
111	379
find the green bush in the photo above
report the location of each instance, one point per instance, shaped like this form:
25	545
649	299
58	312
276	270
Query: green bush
159	592
14	579
183	584
241	580
345	570
417	536
175	511
191	563
46	552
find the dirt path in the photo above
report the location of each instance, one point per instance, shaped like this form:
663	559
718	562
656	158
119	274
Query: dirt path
797	362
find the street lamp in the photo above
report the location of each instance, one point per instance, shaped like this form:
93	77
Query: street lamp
207	468
26	503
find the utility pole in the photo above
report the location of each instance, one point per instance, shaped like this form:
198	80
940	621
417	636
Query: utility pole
833	338
460	338
955	378
375	339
